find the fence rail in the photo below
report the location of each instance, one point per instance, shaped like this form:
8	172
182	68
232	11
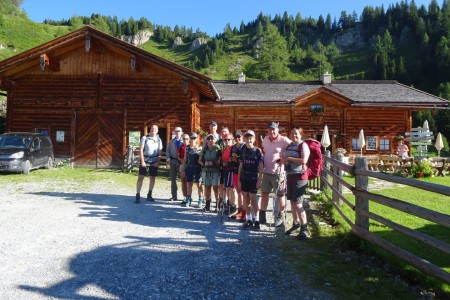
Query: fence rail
331	178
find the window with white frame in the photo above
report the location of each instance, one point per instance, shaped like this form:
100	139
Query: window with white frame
385	145
371	143
355	144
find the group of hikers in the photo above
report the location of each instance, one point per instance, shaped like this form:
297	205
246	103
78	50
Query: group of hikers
234	168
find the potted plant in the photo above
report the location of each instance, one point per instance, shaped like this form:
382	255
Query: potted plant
399	137
423	167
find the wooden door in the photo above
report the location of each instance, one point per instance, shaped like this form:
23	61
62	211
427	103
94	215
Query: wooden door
98	139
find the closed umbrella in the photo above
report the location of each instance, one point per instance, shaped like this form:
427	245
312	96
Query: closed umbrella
439	143
361	140
325	141
425	128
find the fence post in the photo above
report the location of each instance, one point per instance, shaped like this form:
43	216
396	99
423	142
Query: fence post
361	183
336	184
129	162
325	176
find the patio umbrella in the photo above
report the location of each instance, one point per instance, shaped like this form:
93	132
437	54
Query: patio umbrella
361	140
325	141
439	143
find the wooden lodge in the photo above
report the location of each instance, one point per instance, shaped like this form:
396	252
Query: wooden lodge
90	92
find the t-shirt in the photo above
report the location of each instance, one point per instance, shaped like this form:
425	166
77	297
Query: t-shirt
226	154
211	157
235	155
181	151
152	146
292	151
273	150
193	155
250	159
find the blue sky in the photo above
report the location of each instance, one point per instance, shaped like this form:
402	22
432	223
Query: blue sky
209	16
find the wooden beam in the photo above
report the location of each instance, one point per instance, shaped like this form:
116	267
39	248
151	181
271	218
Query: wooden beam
6	83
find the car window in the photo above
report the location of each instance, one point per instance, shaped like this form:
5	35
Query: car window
37	143
45	143
14	142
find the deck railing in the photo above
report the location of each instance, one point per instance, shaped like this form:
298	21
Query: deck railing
331	178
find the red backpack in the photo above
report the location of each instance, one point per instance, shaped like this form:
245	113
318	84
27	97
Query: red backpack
315	160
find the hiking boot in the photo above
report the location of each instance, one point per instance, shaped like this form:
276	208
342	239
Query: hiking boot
238	214
279	220
248	224
233	211
200	202
304	233
173	199
262	217
138	198
187	201
150	198
294	227
256	225
207	206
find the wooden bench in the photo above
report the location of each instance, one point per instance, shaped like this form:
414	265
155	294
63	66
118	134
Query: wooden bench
373	162
389	163
441	164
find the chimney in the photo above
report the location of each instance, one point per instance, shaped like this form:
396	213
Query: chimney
241	78
326	78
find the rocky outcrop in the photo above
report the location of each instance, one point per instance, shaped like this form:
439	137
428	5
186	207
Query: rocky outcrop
197	43
177	42
140	38
351	39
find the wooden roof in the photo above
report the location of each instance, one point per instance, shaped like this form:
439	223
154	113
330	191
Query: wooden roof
355	92
19	65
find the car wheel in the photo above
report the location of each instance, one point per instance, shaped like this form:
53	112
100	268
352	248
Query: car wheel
49	164
26	167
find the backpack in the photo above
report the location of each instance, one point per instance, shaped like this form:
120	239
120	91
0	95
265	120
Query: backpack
315	160
216	149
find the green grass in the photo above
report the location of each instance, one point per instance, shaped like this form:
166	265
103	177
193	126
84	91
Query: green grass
415	196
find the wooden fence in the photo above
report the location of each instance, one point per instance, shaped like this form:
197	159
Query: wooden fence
334	167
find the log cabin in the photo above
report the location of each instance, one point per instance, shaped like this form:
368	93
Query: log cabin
94	94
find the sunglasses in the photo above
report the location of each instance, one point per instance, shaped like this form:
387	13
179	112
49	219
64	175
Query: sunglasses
209	139
227	140
193	138
238	137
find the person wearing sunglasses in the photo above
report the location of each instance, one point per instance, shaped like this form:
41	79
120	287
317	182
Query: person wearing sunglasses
210	158
234	162
227	174
192	170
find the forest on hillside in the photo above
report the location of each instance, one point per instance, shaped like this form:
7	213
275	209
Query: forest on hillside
403	41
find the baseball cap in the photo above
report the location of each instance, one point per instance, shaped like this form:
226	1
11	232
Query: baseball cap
193	135
178	129
237	133
273	125
214	123
249	132
209	135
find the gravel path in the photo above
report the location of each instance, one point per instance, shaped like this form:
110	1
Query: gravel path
95	243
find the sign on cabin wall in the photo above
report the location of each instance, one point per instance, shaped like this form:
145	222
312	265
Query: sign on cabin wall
60	136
